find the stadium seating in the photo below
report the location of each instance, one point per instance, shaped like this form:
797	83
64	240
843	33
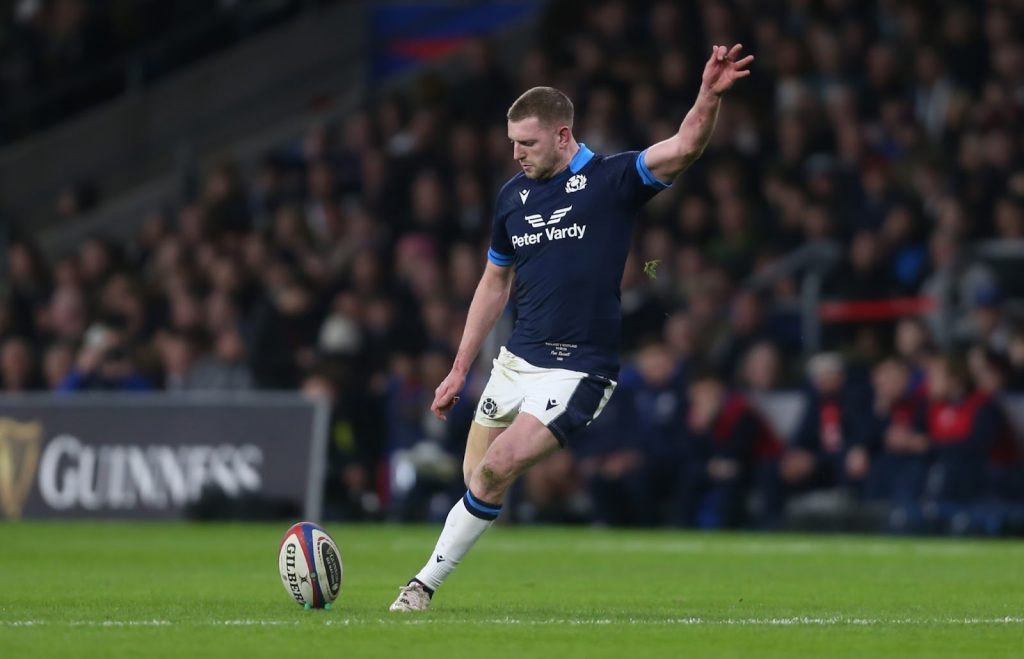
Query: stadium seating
863	195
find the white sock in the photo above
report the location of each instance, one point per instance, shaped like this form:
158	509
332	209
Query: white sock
466	522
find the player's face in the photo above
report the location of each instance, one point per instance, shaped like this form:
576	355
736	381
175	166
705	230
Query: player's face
535	146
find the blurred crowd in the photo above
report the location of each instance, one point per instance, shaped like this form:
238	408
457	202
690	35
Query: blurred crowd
343	265
58	57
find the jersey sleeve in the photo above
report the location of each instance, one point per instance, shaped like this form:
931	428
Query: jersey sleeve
633	178
501	251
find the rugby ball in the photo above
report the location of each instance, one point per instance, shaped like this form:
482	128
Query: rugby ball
310	566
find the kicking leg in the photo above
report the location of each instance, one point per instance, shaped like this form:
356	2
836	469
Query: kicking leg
521	445
525	443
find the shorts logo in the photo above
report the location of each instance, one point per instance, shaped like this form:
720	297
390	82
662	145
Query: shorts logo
576	183
551	403
489	407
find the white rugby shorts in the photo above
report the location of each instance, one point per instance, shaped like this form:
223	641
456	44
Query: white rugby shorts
565	401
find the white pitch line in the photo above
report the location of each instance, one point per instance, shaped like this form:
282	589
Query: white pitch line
797	621
784	548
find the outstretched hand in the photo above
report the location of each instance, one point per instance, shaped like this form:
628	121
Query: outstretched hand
724	68
447	394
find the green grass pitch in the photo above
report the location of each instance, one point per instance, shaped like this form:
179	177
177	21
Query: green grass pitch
179	590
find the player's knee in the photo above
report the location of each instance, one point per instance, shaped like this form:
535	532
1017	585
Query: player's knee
495	472
491	475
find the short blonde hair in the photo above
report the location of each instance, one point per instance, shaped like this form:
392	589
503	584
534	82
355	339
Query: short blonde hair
548	104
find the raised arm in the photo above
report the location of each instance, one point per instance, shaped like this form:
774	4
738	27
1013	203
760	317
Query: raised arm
669	158
489	301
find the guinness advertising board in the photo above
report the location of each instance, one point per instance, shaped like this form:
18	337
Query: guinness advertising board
151	456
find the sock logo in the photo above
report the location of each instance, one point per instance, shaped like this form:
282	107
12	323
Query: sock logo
439	558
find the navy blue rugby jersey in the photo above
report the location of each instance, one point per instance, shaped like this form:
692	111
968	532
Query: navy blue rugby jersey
567	238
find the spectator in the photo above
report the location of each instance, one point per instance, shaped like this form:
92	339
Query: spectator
746	328
351	483
681	339
633	471
224	368
890	441
179	352
65	317
761	369
864	276
900	238
285	328
29	284
426	474
1005	469
97	259
914	345
58	362
105	362
961	426
987	323
17	369
825	452
729	451
1009	218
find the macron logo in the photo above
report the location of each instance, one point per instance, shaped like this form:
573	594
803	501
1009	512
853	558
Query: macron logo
537	221
523	194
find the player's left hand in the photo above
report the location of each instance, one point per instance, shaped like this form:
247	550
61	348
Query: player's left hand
724	68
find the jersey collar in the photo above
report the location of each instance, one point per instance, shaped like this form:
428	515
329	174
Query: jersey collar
580	160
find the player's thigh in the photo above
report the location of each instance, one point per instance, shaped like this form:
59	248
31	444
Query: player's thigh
523	444
480	439
499	404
